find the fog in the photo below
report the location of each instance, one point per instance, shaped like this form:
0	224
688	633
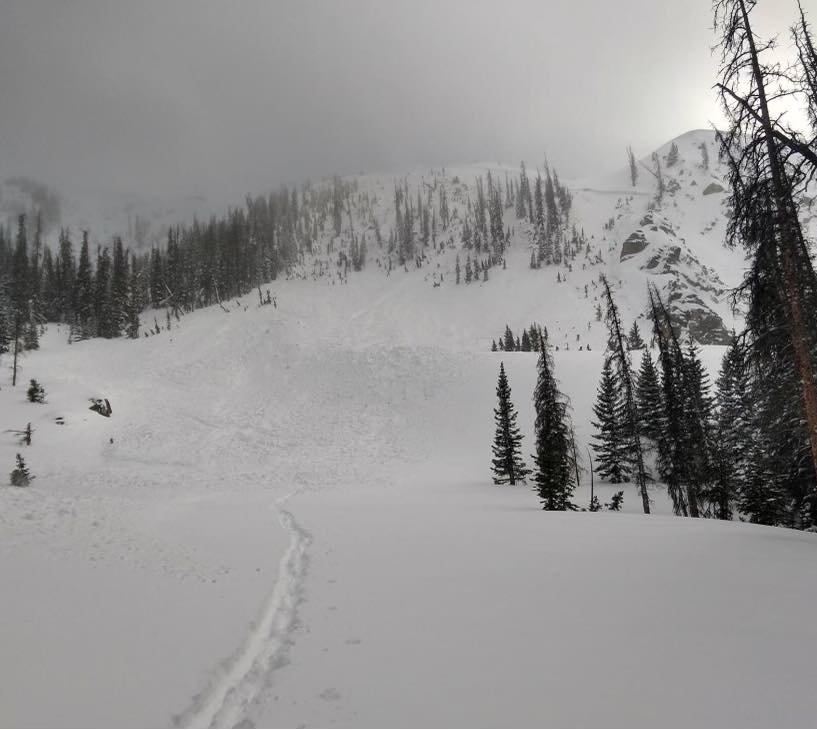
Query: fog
235	97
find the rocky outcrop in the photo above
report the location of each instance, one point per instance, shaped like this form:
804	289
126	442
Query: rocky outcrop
691	290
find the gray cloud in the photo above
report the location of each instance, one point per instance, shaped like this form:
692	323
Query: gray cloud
233	97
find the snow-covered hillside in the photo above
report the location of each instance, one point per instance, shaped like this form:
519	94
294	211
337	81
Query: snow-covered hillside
289	520
632	237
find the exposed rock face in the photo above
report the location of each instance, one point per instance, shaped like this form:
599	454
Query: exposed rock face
690	289
636	243
712	188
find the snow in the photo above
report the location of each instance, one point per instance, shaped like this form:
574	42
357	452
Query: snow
289	520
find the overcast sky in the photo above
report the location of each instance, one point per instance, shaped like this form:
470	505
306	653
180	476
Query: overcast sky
238	96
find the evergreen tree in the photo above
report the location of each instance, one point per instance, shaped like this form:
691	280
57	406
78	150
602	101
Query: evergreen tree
508	466
632	419
631	163
634	340
649	399
119	289
509	343
685	446
672	155
554	464
609	441
20	475
732	431
134	304
103	310
84	294
770	168
19	293
66	268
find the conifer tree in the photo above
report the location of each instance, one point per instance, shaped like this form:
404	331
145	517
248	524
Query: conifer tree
649	399
770	168
508	340
507	464
671	454
672	155
66	275
84	293
134	304
634	340
20	475
631	163
103	310
119	289
609	440
554	466
685	446
632	419
20	293
732	431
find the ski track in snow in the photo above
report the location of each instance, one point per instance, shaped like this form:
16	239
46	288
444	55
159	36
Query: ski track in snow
226	701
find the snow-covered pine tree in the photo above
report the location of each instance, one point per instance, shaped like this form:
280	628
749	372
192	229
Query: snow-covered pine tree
35	392
20	475
554	466
508	340
732	431
631	163
649	399
133	303
672	155
84	294
634	339
507	464
698	406
609	440
119	289
631	419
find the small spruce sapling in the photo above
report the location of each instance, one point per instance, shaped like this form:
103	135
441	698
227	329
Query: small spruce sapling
614	505
20	476
35	392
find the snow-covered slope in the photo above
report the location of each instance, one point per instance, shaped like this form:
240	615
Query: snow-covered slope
677	241
633	237
288	520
